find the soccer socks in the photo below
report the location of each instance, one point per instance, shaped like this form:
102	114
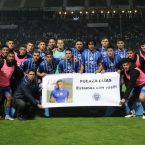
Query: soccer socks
7	110
143	105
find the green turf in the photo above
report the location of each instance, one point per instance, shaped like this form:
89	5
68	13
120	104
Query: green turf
73	131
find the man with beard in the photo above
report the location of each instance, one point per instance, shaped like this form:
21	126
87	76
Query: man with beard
21	56
8	67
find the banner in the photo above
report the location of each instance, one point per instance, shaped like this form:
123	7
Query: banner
64	90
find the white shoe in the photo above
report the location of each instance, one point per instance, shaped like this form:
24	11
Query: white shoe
143	117
130	115
7	117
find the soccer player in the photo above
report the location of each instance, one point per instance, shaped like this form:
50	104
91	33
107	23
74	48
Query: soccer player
21	56
78	50
48	66
105	44
51	44
7	68
91	58
59	52
141	53
26	96
30	48
135	85
69	65
120	48
111	62
59	94
42	48
142	49
4	51
136	58
31	62
10	43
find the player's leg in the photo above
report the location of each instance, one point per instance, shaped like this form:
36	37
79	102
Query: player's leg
142	99
8	103
130	102
20	106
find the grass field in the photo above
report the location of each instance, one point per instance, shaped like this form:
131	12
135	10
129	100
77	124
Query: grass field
73	131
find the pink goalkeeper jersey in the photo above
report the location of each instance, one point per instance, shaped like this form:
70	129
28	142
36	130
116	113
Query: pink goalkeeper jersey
19	61
137	61
142	55
5	75
140	80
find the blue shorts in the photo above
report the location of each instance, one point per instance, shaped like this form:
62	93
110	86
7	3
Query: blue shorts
5	91
142	90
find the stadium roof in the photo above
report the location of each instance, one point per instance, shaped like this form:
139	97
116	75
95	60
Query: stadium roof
56	5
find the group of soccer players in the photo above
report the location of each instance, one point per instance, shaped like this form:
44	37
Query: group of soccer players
34	62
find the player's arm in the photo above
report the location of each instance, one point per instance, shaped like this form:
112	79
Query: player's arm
102	68
40	71
69	99
60	67
131	83
81	68
52	99
99	63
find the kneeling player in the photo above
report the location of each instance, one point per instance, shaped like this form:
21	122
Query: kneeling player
135	83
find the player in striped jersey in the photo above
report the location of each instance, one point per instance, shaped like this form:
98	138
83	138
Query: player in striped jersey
111	62
30	48
120	48
78	50
48	66
42	49
91	58
69	65
31	62
105	44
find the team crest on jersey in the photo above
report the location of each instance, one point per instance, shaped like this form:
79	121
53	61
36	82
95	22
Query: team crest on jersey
91	58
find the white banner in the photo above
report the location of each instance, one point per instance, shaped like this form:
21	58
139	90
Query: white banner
63	90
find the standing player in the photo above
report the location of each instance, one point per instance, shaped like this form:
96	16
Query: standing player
7	68
59	94
105	44
69	65
10	43
78	50
59	52
4	51
48	66
91	58
31	63
136	58
142	52
111	62
135	85
42	49
51	44
121	51
30	48
21	56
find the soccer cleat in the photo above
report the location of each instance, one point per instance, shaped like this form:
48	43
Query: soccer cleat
130	115
143	117
7	117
